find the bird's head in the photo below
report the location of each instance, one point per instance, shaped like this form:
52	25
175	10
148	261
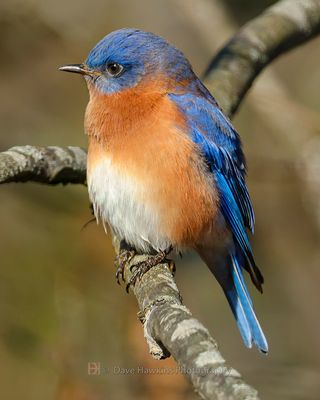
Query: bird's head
127	57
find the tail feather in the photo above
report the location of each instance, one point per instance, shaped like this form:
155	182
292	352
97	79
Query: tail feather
228	272
258	336
240	316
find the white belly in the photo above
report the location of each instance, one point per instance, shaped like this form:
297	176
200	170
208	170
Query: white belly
118	200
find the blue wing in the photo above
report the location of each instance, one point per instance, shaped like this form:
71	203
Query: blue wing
221	147
220	144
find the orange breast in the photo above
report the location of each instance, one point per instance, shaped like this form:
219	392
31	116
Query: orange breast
145	136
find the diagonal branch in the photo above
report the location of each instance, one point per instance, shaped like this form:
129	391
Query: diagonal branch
277	30
168	325
170	328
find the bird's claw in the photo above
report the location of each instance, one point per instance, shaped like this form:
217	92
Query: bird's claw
142	267
122	259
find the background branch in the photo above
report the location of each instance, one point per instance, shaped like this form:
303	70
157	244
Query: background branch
168	325
278	29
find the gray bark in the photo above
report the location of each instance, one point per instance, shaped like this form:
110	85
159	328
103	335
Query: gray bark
277	30
50	165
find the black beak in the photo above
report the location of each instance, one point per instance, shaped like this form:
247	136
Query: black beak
76	68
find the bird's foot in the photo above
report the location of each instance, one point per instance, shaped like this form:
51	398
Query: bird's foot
142	267
122	259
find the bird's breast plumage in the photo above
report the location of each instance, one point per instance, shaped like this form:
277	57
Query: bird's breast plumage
146	177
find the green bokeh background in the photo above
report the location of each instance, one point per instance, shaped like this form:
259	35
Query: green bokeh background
60	307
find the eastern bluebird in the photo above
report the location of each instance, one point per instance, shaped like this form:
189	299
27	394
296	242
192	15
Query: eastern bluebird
165	166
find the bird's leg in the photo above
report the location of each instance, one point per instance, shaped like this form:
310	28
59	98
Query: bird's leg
126	253
141	268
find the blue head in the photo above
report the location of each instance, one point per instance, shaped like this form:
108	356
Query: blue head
125	57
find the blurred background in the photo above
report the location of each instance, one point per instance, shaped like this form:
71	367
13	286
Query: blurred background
60	307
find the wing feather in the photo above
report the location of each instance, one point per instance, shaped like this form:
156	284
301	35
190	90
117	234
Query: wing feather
220	145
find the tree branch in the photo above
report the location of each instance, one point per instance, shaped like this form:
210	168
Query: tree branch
278	29
51	165
168	325
169	328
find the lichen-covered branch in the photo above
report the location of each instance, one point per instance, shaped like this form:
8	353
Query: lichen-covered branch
278	29
169	328
51	165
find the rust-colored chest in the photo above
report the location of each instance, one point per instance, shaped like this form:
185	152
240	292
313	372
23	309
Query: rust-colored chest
145	139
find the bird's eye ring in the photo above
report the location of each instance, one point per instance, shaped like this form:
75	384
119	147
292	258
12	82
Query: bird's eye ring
114	69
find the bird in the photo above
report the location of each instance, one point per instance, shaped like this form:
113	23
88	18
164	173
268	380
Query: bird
165	168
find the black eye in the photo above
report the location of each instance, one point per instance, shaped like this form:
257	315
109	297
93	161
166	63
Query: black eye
114	69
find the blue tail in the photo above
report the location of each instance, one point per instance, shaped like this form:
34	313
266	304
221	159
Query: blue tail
228	272
241	304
